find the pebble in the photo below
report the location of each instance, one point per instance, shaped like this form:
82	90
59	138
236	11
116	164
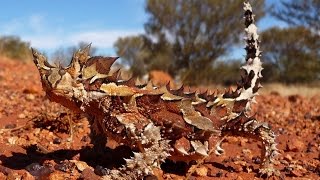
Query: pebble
295	145
80	165
288	157
36	169
202	171
30	97
56	141
256	160
101	171
21	116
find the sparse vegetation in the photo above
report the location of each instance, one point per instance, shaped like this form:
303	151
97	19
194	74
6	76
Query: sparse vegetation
13	47
293	89
292	55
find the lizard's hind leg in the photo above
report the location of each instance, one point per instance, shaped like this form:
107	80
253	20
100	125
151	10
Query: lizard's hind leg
251	128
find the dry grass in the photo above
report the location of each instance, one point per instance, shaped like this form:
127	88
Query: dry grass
281	89
287	90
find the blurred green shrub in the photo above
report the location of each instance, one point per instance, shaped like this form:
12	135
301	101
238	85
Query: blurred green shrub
291	55
14	48
220	72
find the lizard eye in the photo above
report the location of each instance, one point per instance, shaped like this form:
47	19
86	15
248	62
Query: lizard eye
62	72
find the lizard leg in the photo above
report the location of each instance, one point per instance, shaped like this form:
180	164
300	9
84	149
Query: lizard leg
153	151
251	128
269	152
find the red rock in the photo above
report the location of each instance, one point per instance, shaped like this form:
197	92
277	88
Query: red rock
88	174
295	145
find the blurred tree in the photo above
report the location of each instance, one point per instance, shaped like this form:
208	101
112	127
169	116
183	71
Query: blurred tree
142	56
13	47
185	37
63	55
292	55
226	72
135	52
300	13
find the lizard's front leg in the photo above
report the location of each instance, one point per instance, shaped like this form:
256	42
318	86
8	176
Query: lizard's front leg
153	150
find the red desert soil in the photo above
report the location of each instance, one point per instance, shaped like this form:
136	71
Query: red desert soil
35	141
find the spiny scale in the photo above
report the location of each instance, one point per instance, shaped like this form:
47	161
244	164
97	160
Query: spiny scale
160	122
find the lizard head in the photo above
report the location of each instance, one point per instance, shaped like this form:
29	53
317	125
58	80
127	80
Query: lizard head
60	82
69	85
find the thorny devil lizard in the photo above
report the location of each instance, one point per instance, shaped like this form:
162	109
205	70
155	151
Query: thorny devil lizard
159	122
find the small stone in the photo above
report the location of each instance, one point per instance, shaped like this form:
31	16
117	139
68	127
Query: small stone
80	165
256	160
288	157
99	170
56	141
37	130
295	145
21	116
30	97
36	169
202	171
183	143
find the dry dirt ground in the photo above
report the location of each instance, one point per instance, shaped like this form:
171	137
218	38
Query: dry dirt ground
35	141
